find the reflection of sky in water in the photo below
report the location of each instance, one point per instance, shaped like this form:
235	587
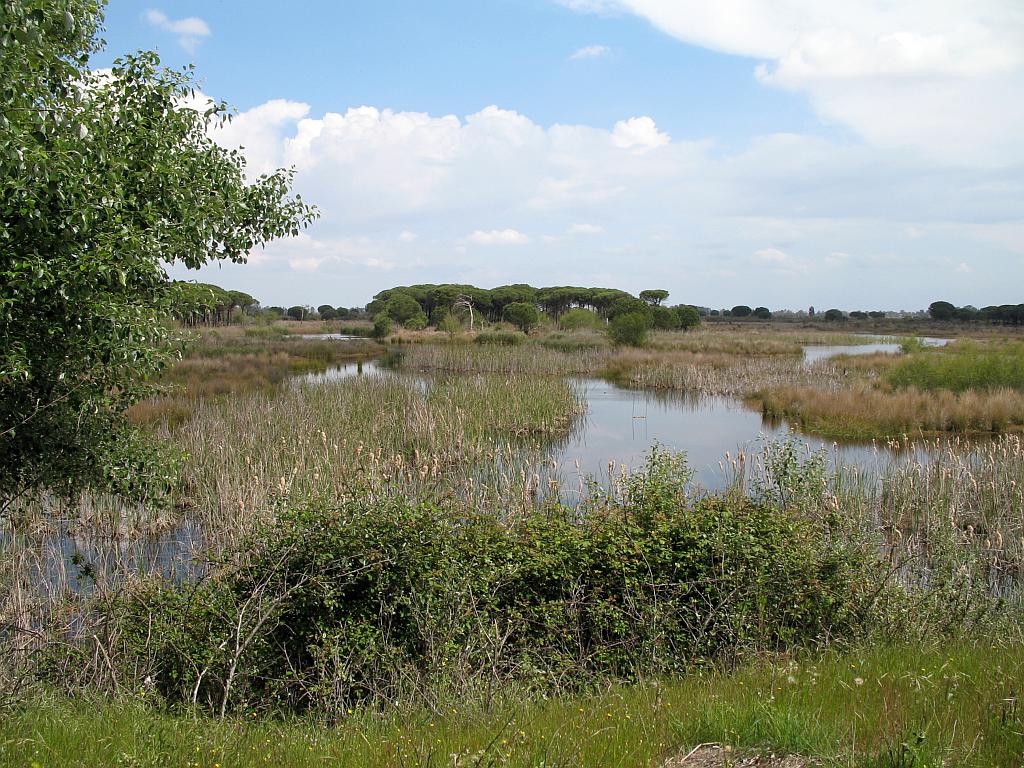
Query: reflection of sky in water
620	426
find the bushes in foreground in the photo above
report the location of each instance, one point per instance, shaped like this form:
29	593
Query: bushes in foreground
372	604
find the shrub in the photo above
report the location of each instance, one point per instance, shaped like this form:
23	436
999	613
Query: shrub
381	326
363	602
629	329
578	318
522	315
416	323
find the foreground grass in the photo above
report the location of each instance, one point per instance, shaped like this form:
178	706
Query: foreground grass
944	705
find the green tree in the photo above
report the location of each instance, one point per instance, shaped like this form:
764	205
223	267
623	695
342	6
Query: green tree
832	315
298	312
402	307
381	326
688	316
522	315
326	312
105	180
763	313
654	297
941	310
577	318
741	310
630	329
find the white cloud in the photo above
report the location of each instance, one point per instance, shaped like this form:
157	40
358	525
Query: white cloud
498	237
638	133
771	256
406	236
945	78
773	215
964	268
190	30
590	52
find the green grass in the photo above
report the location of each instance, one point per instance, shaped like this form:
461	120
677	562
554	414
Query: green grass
954	704
962	366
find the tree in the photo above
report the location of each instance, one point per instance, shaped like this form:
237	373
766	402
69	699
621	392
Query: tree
763	313
298	312
741	310
522	315
689	317
402	307
326	312
106	178
653	297
630	329
832	315
941	310
577	318
381	326
663	318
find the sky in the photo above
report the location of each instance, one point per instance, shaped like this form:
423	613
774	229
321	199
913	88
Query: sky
782	153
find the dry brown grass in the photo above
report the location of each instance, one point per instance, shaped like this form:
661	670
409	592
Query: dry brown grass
862	411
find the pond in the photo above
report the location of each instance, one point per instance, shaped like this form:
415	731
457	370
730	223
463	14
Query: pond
621	425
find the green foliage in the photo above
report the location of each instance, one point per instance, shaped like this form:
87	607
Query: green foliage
106	179
832	315
629	329
941	310
688	317
449	324
654	297
298	312
417	322
381	326
763	313
402	308
522	315
741	310
961	367
358	598
578	318
500	338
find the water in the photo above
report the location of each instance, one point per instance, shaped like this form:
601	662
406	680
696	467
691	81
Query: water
330	337
621	425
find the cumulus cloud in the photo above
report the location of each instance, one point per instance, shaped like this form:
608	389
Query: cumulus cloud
189	31
944	78
767	219
498	237
638	133
590	52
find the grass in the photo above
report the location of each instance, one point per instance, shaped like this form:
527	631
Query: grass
895	706
864	412
965	388
963	367
463	436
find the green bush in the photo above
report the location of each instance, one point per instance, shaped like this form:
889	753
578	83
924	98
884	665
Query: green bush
500	338
578	318
629	329
381	326
375	601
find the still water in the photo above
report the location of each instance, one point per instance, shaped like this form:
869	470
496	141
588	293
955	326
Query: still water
621	425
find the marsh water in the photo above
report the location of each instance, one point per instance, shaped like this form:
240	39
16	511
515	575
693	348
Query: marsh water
618	430
621	425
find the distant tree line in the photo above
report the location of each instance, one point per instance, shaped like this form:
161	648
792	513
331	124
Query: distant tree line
208	304
1003	314
419	306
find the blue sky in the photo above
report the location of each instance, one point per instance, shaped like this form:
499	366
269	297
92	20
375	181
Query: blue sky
752	152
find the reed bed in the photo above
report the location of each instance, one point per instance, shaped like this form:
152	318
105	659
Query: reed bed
522	360
718	374
467	441
863	411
